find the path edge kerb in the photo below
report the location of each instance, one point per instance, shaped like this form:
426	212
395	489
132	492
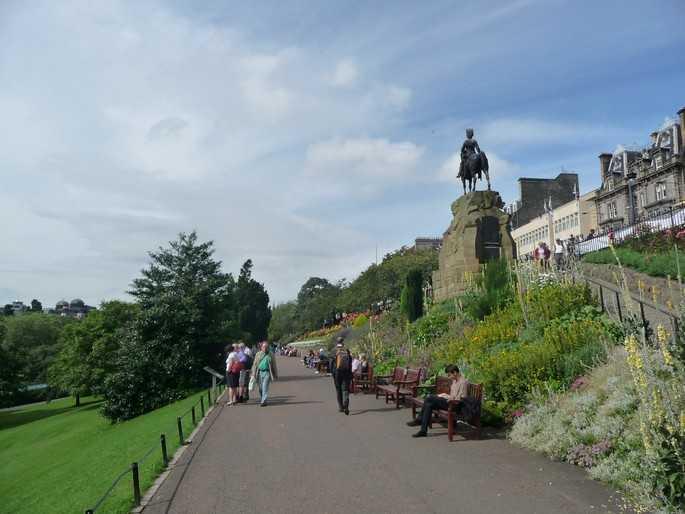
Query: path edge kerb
152	490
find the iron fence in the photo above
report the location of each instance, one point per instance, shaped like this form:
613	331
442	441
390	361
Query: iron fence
656	222
134	468
613	300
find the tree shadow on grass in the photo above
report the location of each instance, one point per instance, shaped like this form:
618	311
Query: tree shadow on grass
11	419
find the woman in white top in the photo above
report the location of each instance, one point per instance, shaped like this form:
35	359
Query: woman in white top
232	374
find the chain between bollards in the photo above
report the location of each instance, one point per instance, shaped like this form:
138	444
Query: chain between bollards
165	456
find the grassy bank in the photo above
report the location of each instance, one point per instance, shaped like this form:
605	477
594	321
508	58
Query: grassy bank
58	459
663	263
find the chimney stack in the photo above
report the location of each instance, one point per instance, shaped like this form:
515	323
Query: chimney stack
604	161
653	137
681	113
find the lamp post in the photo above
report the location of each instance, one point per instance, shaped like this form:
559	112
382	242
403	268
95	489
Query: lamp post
631	183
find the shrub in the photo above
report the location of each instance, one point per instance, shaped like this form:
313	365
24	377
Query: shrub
411	301
360	321
433	325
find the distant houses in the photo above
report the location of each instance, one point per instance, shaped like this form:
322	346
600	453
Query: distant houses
76	308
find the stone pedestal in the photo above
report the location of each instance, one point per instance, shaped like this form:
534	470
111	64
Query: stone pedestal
478	233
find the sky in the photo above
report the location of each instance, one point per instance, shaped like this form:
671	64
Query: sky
306	136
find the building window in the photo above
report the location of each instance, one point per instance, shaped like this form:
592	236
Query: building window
643	199
660	189
613	211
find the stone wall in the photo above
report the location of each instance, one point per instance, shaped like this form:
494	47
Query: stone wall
479	231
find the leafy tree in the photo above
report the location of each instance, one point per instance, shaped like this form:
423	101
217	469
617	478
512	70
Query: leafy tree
283	324
411	302
385	281
88	349
187	315
36	306
9	372
252	301
8	310
33	341
315	302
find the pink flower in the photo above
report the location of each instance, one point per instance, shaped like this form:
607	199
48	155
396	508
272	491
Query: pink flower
680	234
517	413
578	383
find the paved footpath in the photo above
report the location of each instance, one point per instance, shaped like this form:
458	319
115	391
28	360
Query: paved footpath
299	455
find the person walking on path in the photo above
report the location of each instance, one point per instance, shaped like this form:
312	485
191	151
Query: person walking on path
264	370
458	391
246	359
342	376
233	367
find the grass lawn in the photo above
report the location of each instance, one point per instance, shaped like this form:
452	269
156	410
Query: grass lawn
656	264
57	458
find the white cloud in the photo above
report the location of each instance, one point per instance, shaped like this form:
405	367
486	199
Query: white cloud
162	124
370	160
345	74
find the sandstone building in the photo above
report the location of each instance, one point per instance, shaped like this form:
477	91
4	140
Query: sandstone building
537	193
640	183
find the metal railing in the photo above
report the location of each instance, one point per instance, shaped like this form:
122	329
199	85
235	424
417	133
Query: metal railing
654	223
134	468
612	300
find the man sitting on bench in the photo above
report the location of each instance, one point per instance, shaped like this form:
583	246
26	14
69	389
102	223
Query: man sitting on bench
458	391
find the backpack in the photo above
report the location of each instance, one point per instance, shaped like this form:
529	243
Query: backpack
236	366
343	362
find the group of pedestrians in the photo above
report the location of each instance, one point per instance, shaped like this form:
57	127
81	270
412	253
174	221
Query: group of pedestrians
244	371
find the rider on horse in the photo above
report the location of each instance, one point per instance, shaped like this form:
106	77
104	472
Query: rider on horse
468	149
473	164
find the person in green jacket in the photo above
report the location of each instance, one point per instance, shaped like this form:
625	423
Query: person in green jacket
264	370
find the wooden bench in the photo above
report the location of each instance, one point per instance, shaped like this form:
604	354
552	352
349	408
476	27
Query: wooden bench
451	415
386	383
363	381
403	385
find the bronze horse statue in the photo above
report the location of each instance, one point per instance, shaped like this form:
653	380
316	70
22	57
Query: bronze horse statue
472	169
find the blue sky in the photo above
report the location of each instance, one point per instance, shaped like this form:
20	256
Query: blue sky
302	135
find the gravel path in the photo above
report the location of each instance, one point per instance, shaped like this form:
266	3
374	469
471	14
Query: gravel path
299	455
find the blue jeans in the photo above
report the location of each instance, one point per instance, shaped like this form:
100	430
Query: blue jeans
264	381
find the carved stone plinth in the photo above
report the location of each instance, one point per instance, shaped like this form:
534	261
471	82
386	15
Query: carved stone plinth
479	232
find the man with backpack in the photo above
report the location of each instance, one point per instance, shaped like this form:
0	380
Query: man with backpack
342	375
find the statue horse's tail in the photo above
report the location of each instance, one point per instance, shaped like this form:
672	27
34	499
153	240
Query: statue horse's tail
484	162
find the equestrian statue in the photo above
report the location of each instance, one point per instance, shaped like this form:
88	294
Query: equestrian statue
473	163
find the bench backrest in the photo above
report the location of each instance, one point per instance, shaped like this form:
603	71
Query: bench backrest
476	391
413	375
443	385
398	374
